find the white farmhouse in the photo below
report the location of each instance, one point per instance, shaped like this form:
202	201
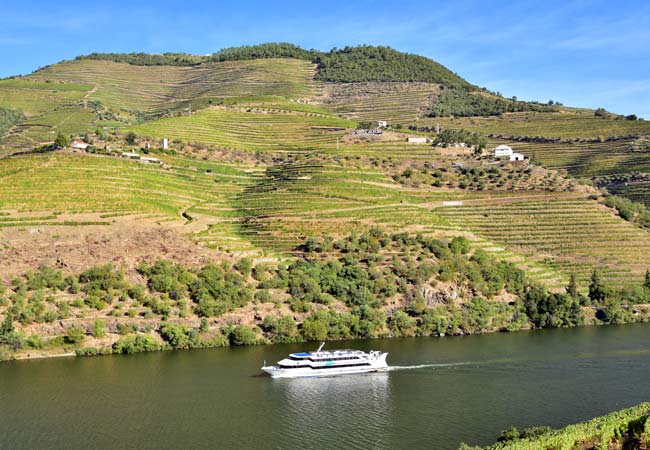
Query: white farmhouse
517	157
416	140
150	160
382	124
502	150
79	145
165	143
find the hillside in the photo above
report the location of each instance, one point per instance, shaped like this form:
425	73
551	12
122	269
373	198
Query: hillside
625	429
270	159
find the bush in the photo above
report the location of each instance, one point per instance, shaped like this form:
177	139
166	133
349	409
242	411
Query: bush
178	336
75	335
99	329
136	343
242	335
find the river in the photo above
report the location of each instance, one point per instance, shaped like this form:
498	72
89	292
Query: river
441	391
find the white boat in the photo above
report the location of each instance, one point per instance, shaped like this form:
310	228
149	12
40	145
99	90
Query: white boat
327	363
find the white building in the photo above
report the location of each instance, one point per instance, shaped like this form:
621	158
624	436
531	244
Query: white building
150	160
79	145
517	157
382	124
502	150
416	140
165	143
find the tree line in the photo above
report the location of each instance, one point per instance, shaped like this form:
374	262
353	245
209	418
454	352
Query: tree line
349	64
464	103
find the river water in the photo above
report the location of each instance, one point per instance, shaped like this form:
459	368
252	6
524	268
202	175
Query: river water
441	391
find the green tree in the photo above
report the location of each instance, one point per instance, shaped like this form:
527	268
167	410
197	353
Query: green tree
131	138
7	326
572	288
61	141
459	245
597	290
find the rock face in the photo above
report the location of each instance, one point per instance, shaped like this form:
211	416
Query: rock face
437	297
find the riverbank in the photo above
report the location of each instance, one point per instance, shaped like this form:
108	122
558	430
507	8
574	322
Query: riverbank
369	286
627	429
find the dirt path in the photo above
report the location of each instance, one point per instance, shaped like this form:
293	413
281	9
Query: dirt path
88	94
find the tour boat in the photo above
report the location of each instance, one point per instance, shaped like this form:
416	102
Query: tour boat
327	363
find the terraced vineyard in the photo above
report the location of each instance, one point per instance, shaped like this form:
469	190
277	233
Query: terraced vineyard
127	88
639	191
566	233
259	129
584	159
48	107
395	102
567	124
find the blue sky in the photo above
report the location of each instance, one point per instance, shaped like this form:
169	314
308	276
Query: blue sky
583	53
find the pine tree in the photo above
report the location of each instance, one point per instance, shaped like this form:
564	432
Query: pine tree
572	288
7	326
596	289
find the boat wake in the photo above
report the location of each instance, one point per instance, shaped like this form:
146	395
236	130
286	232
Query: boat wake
427	366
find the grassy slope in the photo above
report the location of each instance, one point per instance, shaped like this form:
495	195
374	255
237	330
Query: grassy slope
567	124
250	129
276	212
48	107
126	87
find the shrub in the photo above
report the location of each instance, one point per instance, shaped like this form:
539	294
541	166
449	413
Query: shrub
99	329
242	335
75	335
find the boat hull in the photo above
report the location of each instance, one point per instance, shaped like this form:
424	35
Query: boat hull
308	372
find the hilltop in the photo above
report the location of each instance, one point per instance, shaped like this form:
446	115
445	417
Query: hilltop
274	156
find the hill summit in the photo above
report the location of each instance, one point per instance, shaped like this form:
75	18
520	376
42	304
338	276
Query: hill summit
347	65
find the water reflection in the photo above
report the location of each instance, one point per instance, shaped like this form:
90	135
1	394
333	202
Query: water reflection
335	412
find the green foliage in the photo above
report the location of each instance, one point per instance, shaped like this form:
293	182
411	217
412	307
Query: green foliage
99	329
449	137
463	103
400	324
282	330
629	210
368	63
146	59
509	434
178	336
597	290
131	138
546	309
9	336
61	141
267	50
243	335
350	64
75	335
135	343
459	245
610	431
